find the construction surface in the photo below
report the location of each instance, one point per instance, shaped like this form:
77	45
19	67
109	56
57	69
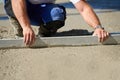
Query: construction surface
100	62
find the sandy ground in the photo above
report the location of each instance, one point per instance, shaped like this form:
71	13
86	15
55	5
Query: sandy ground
100	62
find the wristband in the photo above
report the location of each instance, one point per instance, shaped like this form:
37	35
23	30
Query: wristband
98	26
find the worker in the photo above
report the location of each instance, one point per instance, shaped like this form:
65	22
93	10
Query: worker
49	16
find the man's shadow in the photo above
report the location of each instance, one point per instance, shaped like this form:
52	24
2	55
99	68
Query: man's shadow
73	32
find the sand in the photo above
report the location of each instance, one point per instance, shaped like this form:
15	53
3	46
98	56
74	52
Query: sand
100	62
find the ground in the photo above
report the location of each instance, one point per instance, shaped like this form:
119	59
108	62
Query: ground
100	62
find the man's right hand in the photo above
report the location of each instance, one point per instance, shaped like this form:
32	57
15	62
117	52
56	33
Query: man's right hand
29	36
20	11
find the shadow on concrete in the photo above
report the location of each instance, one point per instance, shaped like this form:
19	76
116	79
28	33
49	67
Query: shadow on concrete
73	32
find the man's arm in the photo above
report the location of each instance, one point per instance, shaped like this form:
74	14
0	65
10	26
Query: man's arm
91	18
19	9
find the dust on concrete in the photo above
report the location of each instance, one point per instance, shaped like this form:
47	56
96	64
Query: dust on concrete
63	63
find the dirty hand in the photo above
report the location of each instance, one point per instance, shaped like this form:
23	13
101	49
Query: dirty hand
29	36
101	33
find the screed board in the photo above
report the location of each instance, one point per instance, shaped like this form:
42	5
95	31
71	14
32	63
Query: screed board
114	39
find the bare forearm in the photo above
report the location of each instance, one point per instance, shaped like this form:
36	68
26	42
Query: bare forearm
19	9
88	14
91	18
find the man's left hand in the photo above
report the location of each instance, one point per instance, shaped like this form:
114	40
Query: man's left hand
101	34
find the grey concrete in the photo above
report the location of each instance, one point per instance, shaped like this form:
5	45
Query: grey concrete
101	62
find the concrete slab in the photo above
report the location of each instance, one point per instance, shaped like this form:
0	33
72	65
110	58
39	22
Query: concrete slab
65	63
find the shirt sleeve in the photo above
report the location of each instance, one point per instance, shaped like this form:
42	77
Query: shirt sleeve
74	1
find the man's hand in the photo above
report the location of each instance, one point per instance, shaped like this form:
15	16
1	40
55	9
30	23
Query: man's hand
20	11
101	33
92	19
29	36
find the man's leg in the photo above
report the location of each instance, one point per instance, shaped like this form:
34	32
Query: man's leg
53	16
50	29
13	21
50	17
18	31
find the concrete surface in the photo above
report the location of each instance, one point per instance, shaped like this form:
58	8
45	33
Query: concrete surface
66	63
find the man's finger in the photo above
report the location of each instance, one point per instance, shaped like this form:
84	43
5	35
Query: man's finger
102	36
106	35
99	37
25	38
32	39
28	39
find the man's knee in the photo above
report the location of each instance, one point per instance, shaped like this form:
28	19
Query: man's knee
58	13
58	17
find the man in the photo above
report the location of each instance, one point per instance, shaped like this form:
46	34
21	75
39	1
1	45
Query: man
49	16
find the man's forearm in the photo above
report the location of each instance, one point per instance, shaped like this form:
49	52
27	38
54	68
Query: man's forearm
88	14
19	9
